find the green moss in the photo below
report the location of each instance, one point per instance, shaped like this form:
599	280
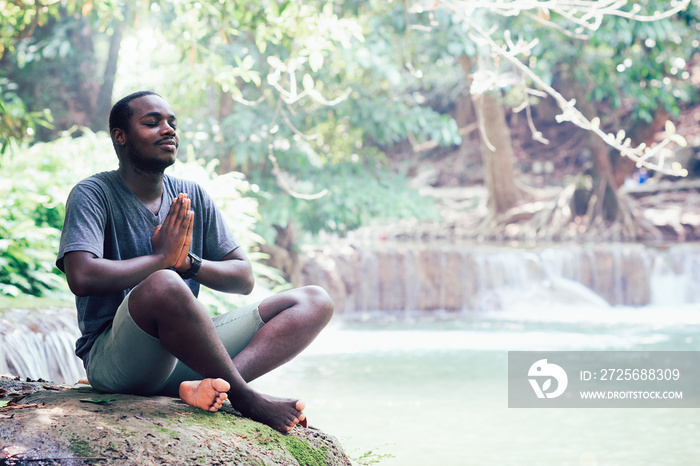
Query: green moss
126	432
262	435
81	448
217	420
165	430
304	453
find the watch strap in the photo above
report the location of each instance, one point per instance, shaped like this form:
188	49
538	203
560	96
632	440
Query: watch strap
194	268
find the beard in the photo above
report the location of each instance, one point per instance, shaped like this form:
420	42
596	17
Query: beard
151	166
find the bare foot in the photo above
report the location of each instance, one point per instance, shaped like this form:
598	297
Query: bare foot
281	414
207	394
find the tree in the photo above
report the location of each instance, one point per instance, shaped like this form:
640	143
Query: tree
305	97
575	22
49	60
262	83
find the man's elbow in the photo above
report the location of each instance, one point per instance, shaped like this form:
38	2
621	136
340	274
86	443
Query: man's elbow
78	286
247	284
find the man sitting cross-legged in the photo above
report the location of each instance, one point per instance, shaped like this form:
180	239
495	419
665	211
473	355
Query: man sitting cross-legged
136	245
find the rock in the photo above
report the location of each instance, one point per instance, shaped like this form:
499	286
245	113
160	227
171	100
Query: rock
43	423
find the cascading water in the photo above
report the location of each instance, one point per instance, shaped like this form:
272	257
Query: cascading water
404	278
39	344
424	277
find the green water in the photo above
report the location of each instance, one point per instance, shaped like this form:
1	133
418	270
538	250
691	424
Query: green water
434	391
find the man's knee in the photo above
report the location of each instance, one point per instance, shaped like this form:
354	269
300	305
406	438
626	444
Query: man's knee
160	291
319	299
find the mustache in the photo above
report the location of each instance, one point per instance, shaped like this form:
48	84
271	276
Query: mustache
169	140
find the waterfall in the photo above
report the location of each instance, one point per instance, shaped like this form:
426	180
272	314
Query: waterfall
408	277
39	344
405	278
675	273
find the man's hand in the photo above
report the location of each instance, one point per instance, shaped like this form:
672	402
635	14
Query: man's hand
172	239
183	264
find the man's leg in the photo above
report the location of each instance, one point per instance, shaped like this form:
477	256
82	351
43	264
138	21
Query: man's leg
164	307
292	320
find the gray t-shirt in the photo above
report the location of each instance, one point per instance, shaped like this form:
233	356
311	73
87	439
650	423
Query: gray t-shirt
104	217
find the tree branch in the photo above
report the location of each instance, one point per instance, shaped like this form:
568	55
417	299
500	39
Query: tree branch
643	156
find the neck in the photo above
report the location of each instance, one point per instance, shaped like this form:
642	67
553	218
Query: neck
148	187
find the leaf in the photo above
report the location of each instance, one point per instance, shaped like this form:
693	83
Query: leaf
248	62
98	400
276	63
678	139
283	7
670	128
316	60
620	136
308	82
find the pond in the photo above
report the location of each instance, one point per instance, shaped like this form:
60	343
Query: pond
434	390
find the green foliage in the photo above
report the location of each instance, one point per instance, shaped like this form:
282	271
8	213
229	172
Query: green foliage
286	57
46	51
16	122
34	184
357	195
633	66
371	457
645	60
309	95
388	122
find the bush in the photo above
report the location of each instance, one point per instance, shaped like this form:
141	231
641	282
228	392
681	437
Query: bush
34	184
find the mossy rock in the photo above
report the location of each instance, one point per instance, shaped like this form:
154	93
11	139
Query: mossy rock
77	425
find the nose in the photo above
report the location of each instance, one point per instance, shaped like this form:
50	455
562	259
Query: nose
167	129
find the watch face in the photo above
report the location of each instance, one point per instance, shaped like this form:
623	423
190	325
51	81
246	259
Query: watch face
194	268
196	261
196	264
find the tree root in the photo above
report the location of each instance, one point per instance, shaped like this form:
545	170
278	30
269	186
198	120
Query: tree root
556	220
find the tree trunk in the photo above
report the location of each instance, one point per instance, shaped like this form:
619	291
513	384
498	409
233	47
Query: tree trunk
639	132
104	100
464	107
609	214
602	203
85	89
497	153
227	159
496	148
71	83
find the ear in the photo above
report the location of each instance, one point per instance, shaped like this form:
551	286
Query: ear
118	137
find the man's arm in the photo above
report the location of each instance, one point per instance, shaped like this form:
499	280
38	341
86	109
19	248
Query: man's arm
232	274
89	275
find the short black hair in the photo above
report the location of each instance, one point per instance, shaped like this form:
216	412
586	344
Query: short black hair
121	112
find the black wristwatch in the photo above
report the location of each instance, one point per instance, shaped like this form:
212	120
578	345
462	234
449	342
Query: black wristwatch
196	264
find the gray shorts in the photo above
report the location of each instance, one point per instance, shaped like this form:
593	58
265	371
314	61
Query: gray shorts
126	359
